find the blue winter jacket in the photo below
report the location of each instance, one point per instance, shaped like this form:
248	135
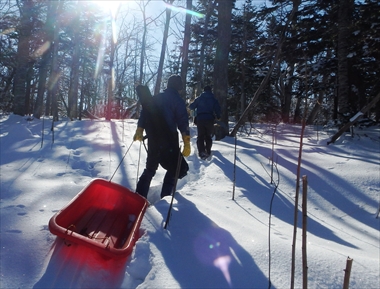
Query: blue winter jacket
207	106
173	109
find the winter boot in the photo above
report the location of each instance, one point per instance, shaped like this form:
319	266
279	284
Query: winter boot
144	183
168	185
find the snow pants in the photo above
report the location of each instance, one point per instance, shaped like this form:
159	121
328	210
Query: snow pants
166	155
205	129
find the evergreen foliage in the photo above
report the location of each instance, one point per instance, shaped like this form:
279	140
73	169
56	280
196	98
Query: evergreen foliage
304	84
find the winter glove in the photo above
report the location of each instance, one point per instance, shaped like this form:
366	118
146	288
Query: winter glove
138	134
186	147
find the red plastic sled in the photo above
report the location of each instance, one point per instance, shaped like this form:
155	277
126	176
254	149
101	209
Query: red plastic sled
104	216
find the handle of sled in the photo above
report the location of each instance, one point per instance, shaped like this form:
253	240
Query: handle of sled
121	160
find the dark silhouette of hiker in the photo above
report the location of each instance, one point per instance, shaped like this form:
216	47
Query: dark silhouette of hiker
161	117
207	109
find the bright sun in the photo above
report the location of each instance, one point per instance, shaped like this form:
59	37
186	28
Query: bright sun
108	6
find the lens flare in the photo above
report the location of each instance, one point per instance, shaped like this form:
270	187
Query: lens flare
184	10
100	59
213	247
222	263
42	49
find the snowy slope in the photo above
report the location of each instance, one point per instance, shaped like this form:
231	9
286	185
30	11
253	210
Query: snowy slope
212	241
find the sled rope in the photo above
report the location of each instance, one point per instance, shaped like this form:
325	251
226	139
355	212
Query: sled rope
143	141
138	166
121	160
174	188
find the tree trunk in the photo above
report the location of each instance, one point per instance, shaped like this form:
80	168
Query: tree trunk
142	54
143	44
82	92
344	15
295	224
22	58
243	96
43	72
304	233
288	89
355	118
222	53
110	85
74	75
200	78
297	112
347	273
163	49
316	108
54	75
321	95
185	48
45	62
111	76
8	84
335	100
29	88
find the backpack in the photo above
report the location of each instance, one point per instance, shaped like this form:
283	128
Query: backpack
158	130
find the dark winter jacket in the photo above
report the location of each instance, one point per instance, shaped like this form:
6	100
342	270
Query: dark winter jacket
207	106
173	109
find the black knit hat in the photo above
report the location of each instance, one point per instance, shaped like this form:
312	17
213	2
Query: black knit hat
207	88
175	82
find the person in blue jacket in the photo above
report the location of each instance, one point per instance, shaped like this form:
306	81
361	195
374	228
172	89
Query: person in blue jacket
161	122
207	109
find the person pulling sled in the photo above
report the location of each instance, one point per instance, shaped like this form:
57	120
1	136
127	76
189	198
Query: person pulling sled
161	116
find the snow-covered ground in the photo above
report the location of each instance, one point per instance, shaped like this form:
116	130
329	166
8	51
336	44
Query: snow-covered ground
213	240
